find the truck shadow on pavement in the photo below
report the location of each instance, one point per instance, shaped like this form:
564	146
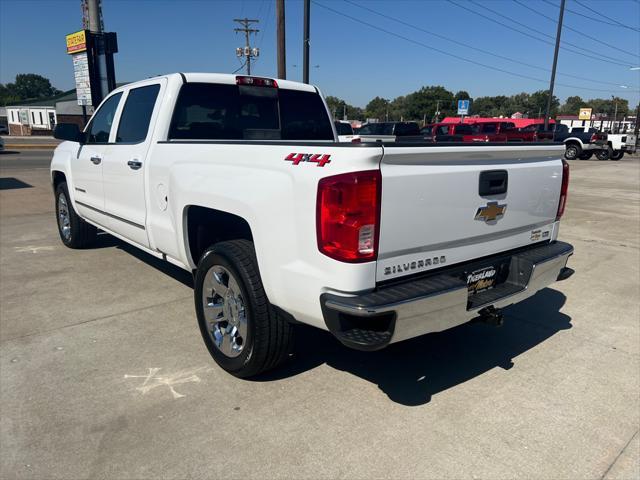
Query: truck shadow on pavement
104	240
411	372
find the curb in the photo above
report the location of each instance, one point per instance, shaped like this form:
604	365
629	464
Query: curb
34	146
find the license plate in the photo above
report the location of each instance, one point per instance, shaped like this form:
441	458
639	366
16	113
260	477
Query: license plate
481	280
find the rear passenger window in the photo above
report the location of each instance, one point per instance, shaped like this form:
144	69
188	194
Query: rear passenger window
100	126
136	115
206	111
304	116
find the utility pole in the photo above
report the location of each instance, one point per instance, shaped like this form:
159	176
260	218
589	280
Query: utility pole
282	56
104	46
305	42
615	115
247	51
553	69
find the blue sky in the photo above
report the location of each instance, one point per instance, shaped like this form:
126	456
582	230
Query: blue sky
355	61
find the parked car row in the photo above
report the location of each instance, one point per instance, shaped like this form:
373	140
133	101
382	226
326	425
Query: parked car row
581	142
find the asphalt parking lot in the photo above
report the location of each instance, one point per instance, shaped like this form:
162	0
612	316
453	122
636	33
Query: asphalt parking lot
103	373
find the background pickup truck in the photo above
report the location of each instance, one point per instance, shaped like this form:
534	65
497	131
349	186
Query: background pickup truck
578	142
241	180
617	144
387	131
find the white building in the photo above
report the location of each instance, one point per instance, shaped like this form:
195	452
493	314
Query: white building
622	124
31	120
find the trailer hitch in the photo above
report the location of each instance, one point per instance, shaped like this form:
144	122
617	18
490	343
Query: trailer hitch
491	316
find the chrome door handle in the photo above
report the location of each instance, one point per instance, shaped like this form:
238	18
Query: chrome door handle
96	160
134	164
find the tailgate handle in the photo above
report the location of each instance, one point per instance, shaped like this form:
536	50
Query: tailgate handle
493	182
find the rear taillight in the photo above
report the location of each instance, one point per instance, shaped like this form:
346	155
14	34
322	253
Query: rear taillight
348	216
256	81
564	189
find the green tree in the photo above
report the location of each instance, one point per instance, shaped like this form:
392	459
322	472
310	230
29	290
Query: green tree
7	96
606	106
572	105
339	107
538	103
335	105
27	86
377	108
490	106
424	103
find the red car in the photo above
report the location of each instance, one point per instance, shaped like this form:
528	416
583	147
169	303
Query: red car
459	132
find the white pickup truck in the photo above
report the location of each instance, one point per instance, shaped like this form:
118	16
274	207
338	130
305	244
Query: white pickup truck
241	181
617	145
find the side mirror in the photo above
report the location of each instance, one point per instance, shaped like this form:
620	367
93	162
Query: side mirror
68	131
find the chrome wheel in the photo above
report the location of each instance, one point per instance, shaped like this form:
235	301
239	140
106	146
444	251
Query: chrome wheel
224	311
64	220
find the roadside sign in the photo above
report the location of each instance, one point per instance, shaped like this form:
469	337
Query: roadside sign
83	78
76	42
585	114
463	107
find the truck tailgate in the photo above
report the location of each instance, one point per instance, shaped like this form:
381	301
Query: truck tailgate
433	214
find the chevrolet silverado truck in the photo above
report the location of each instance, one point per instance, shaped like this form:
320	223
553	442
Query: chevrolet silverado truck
241	180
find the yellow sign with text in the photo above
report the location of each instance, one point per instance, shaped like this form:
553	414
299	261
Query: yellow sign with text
585	114
76	42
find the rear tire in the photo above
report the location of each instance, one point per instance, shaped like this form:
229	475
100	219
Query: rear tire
604	154
243	332
617	155
74	231
585	155
572	151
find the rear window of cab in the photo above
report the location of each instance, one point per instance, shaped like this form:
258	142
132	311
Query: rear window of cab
207	111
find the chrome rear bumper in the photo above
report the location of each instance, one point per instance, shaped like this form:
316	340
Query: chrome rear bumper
433	303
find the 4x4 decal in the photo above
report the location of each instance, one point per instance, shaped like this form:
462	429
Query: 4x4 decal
318	158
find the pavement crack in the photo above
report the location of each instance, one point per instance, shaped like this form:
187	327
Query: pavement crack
104	317
619	455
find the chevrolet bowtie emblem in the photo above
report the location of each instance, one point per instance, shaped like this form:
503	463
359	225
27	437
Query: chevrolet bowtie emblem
492	211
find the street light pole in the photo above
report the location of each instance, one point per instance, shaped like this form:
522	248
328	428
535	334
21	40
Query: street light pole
553	69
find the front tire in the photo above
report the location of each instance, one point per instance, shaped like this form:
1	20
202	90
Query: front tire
617	155
572	151
243	332
604	154
74	231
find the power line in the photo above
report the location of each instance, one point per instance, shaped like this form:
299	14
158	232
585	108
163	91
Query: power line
239	68
443	52
267	23
596	56
466	45
564	25
619	23
598	20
